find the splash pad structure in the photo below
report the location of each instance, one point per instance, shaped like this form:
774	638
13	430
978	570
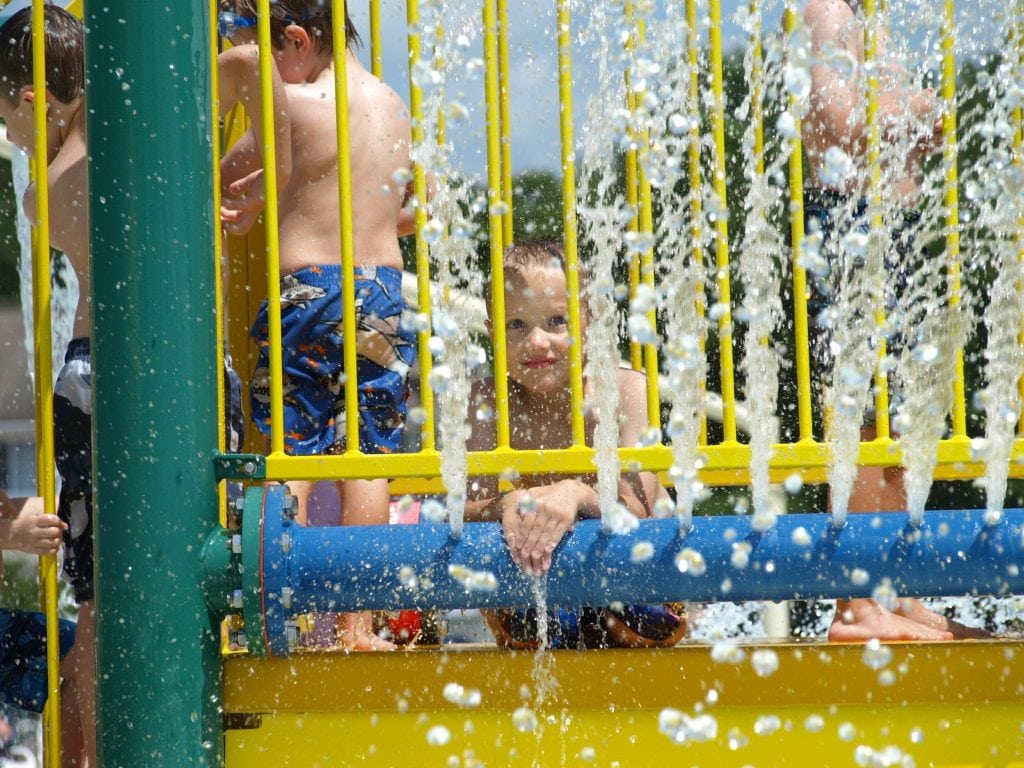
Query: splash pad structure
167	571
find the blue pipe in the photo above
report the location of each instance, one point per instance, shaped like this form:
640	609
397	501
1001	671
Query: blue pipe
803	556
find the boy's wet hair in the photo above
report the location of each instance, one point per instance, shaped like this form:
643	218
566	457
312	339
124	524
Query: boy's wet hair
314	16
65	54
538	254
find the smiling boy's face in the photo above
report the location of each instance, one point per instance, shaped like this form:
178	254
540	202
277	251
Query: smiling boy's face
537	329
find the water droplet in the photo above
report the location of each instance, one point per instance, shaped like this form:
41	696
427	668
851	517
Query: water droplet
800	536
691	562
727	652
642	552
461	696
876	655
764	661
433	511
473	581
859	577
740	556
524	720
766	725
794	483
438	736
814	723
847	731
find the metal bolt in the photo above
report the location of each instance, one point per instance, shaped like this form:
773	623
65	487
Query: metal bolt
237	637
249	468
239	505
236	598
236	543
286	543
286	596
291	633
288	506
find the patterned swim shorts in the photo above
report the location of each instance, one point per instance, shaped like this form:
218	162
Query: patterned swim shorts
313	365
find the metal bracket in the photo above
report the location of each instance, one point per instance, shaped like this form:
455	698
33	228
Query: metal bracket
240	466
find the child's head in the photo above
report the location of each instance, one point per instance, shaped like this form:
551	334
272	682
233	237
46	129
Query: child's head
314	16
65	55
537	337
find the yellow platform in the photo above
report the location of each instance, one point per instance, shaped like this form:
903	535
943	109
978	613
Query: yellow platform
938	704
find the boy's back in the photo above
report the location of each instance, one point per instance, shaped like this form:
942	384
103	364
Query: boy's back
379	137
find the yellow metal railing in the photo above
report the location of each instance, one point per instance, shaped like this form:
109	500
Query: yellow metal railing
724	462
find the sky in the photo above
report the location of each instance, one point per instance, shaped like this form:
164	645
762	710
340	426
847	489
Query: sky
534	95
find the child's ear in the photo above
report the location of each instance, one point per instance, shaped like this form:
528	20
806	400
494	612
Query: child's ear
27	94
298	37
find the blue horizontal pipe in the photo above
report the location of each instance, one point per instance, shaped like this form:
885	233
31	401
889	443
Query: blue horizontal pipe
351	568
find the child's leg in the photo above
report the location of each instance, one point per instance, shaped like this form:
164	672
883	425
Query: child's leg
363	502
79	669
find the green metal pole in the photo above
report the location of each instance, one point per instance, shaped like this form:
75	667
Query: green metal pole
155	365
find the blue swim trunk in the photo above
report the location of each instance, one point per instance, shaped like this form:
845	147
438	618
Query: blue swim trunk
23	657
72	438
313	364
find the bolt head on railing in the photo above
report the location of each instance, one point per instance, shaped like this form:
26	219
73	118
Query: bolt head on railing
236	638
236	599
286	596
291	633
236	543
289	507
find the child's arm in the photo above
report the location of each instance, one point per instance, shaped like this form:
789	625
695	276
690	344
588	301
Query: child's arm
24	526
240	82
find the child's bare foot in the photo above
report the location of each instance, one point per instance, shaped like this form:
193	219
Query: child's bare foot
861	620
917	611
355	633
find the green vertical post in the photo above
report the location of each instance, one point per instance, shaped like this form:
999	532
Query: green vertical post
155	366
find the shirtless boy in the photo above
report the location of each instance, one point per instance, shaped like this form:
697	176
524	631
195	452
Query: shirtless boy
835	119
66	160
310	252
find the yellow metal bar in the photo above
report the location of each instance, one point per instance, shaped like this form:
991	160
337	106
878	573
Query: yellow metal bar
43	353
422	249
218	245
632	199
569	218
505	110
722	228
271	221
376	48
1018	160
952	202
495	223
348	292
696	206
796	232
646	211
874	195
724	464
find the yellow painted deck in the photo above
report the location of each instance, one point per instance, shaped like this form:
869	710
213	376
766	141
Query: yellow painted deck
941	704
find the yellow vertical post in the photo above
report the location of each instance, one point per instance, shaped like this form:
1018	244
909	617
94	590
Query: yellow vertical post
348	292
696	206
796	233
218	242
647	269
635	352
495	222
376	53
271	221
952	202
569	217
722	228
874	196
422	250
505	110
1018	161
43	354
